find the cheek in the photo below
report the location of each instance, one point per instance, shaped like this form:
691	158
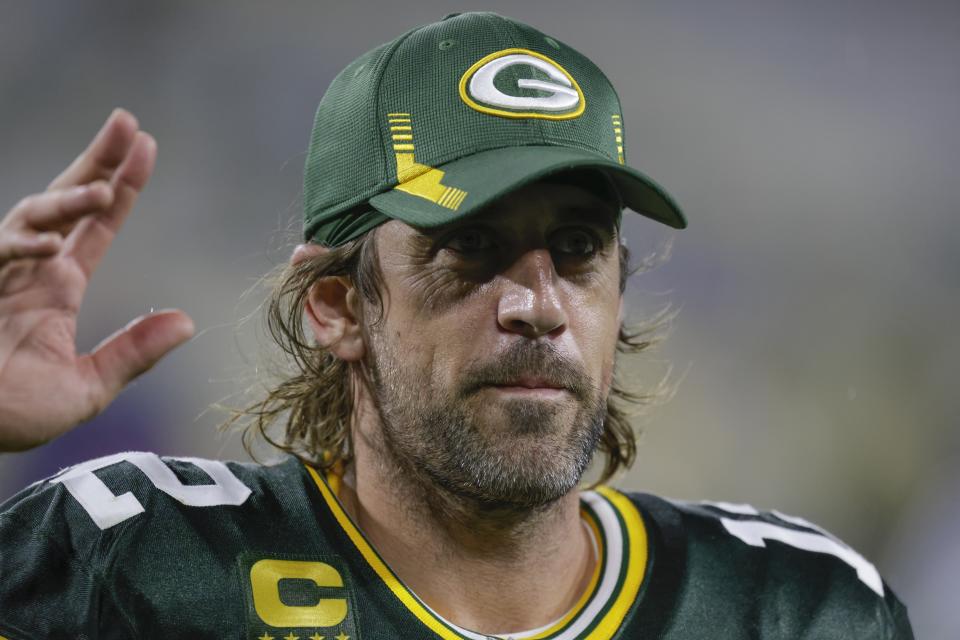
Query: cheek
433	290
594	325
434	322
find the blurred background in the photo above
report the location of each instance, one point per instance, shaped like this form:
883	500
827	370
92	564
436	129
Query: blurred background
814	146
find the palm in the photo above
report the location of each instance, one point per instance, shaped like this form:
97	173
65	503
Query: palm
39	301
50	244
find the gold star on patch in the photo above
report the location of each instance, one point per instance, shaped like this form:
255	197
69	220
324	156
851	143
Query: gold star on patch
316	636
342	636
265	637
290	636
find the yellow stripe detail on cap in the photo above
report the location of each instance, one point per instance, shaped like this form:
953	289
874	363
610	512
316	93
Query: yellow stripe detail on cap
460	197
450	202
419	174
423	181
398	120
401	127
446	196
419	179
618	134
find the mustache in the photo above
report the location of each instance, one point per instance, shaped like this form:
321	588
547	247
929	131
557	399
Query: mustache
528	360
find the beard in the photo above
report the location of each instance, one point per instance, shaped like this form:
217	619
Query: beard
513	453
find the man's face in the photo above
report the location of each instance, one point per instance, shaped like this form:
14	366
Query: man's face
494	358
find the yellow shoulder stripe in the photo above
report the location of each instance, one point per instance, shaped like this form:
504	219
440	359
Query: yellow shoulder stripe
636	565
379	566
635	554
591	589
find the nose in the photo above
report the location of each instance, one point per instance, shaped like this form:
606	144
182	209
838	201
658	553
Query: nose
530	303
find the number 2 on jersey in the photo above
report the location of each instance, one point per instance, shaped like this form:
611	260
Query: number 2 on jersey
108	510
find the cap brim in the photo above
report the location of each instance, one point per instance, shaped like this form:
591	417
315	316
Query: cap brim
488	175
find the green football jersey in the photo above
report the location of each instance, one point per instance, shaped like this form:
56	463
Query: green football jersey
135	546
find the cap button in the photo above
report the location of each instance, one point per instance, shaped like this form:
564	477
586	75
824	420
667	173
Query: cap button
448	16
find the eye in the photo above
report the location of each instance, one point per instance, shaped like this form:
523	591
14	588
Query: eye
575	241
472	240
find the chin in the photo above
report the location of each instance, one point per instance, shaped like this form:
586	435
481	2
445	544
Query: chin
527	417
525	470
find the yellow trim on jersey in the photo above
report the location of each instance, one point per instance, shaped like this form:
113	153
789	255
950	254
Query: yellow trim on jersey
333	481
636	567
591	588
379	566
636	545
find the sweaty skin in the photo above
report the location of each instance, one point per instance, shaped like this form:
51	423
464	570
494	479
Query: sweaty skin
478	404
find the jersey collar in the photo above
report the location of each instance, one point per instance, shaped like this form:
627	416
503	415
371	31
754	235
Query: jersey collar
622	546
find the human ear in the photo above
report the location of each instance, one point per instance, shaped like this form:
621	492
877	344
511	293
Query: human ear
332	311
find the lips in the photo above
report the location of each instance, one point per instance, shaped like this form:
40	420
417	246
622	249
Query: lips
530	370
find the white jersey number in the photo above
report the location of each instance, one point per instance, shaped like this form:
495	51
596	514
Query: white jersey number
107	509
755	532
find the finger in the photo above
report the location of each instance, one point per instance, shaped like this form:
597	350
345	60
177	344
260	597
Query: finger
134	349
90	239
138	164
29	245
104	153
60	209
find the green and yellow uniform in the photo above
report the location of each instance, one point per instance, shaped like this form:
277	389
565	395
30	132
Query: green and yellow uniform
135	546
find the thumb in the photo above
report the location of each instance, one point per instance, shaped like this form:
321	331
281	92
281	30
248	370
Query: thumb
131	351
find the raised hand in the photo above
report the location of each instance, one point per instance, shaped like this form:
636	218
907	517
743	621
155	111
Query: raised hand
50	245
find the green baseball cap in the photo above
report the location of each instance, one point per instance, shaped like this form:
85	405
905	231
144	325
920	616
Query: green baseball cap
451	116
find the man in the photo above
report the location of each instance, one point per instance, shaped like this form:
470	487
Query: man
462	284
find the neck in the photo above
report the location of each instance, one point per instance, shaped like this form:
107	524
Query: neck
488	568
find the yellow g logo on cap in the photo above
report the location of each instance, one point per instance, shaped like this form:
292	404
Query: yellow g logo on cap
564	100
